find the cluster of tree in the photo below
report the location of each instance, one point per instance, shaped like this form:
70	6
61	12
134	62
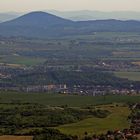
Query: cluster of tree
14	117
52	134
128	134
70	78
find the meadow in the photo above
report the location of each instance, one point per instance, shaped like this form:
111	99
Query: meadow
116	120
116	105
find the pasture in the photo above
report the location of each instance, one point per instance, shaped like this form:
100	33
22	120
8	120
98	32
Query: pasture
116	120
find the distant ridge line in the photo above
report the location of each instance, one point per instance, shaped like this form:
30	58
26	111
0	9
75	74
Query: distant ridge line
42	24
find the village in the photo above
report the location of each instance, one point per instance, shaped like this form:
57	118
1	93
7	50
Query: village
75	90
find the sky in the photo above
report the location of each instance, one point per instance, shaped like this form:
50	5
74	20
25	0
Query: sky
69	5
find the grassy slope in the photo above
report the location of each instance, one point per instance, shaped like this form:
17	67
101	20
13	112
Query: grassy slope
135	76
117	120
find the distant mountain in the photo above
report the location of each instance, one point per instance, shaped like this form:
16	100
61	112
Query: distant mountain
97	15
38	24
41	24
82	15
38	19
8	16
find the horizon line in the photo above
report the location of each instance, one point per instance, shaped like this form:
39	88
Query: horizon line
84	10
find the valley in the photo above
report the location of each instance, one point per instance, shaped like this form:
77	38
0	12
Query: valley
69	80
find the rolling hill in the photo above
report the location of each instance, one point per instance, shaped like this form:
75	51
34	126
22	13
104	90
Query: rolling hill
41	24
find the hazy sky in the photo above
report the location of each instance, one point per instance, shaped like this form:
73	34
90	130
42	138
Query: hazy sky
101	5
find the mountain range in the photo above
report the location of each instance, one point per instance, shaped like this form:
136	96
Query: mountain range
8	16
81	15
42	24
97	15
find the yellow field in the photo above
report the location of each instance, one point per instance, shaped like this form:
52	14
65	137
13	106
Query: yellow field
16	138
138	137
12	65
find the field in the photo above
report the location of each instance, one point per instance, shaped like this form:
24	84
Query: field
138	137
136	63
117	120
19	60
59	99
135	76
104	45
16	137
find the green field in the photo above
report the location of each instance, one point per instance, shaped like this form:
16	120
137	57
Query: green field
117	120
21	60
135	76
59	99
103	45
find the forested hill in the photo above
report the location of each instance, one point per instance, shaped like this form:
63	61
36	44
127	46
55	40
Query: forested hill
38	19
41	24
